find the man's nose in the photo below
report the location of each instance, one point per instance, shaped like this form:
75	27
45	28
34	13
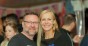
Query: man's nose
32	24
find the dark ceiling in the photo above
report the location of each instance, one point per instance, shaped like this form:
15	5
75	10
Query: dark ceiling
24	3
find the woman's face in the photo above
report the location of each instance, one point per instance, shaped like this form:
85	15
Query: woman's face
47	21
9	32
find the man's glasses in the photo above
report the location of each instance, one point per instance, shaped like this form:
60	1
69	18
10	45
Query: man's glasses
32	22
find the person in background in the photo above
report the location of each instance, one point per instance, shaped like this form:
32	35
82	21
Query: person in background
11	17
30	26
68	25
10	31
11	28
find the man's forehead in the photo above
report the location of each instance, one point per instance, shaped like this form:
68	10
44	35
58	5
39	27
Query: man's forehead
31	17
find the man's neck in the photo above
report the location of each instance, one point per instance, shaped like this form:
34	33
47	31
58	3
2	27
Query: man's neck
66	27
27	35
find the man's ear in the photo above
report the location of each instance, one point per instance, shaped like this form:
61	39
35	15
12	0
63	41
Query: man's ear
72	23
22	23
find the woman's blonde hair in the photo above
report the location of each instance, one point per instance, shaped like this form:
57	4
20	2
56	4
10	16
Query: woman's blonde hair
39	35
55	27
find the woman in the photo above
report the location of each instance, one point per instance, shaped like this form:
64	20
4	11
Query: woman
50	29
11	29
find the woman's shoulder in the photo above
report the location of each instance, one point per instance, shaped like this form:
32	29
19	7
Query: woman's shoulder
4	43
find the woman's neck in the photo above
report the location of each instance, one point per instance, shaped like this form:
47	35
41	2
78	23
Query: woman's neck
49	34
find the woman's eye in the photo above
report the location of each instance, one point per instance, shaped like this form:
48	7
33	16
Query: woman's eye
49	19
9	30
43	19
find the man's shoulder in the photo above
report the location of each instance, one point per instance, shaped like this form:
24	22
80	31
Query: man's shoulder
21	40
16	40
17	36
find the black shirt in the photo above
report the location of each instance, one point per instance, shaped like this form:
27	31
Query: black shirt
61	38
21	40
53	41
65	38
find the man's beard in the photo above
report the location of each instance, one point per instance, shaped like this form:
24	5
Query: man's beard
30	33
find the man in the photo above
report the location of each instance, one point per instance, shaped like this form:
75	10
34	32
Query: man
69	25
30	26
